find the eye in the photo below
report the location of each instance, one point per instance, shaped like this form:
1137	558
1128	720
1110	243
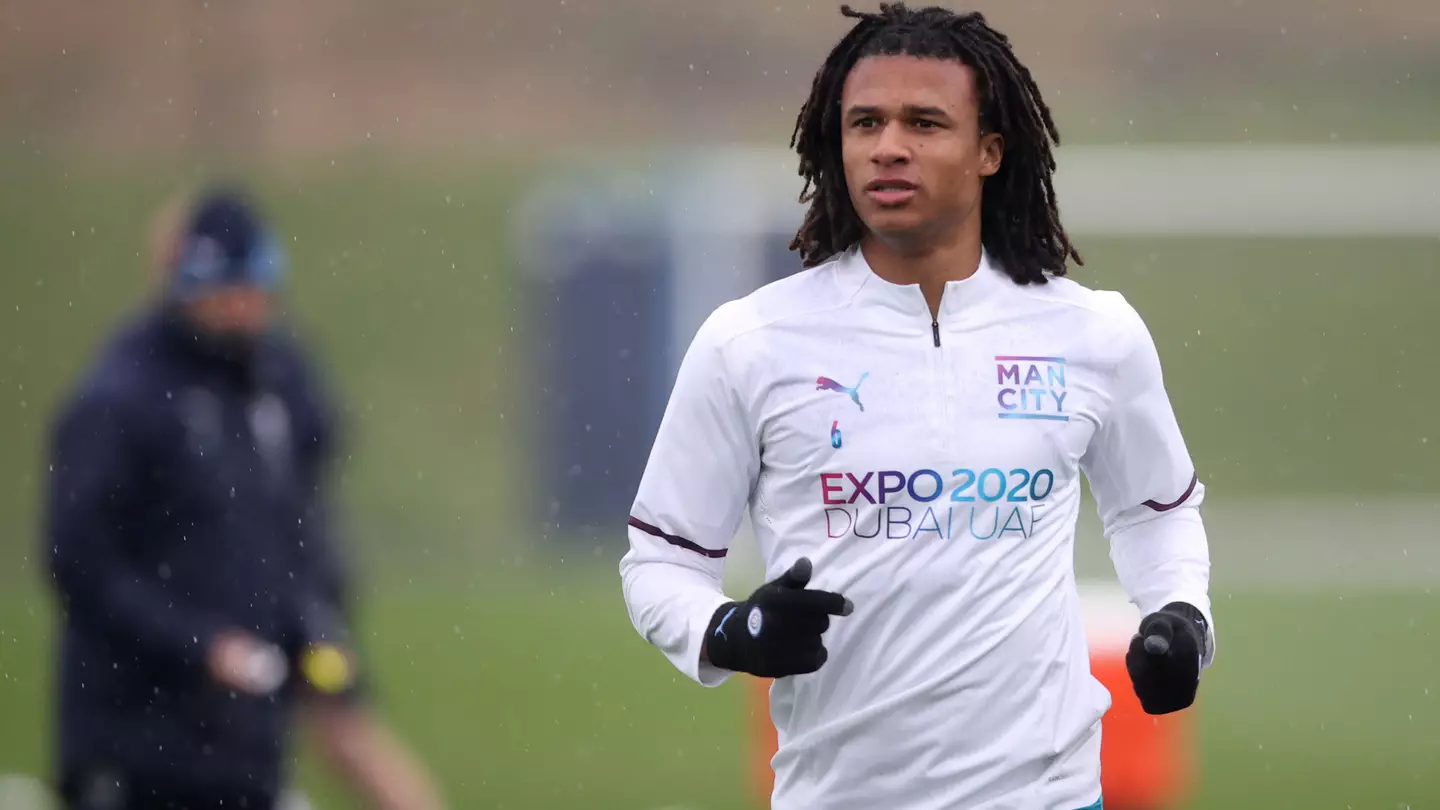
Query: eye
864	123
925	123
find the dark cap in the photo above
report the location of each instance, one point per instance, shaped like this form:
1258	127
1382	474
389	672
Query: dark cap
224	244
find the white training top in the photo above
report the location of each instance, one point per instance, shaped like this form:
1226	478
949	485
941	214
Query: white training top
930	469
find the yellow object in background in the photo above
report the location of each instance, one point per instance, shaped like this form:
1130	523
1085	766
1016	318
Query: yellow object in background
326	668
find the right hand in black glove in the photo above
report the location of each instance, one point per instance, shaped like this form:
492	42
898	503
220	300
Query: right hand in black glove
776	632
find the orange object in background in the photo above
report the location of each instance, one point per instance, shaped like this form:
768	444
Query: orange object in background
1146	762
763	740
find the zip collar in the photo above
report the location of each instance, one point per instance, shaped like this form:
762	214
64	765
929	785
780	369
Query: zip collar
860	282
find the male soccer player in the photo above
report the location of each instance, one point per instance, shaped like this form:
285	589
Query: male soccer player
921	616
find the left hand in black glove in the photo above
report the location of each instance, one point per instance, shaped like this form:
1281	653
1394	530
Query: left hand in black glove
1164	658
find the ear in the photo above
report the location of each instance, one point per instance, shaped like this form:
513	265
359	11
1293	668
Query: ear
992	149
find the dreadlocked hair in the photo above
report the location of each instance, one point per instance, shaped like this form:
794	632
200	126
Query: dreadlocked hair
1019	220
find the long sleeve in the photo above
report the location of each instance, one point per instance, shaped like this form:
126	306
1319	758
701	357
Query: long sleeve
322	575
321	581
1146	488
321	592
691	499
92	491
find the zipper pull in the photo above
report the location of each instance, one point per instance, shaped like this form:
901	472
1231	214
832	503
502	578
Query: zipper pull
935	330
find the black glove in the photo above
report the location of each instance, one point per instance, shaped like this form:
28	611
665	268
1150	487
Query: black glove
1164	658
776	632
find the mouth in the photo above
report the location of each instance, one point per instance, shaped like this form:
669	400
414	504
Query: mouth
890	192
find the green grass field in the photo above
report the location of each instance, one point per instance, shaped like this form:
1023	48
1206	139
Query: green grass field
1300	368
534	692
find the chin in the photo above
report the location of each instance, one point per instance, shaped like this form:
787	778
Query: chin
896	224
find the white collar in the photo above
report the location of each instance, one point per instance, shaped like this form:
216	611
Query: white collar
856	277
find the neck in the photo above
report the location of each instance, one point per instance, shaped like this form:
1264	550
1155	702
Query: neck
930	264
223	349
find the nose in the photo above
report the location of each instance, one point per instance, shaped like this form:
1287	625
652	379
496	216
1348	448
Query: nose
890	145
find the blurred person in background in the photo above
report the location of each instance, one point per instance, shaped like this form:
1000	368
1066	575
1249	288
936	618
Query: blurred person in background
202	595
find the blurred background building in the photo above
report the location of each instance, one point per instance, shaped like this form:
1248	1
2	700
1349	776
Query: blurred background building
505	219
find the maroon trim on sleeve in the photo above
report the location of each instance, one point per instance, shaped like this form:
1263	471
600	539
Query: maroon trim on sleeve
1166	507
676	540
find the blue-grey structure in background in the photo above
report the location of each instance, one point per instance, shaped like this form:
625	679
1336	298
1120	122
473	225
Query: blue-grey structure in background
598	289
621	269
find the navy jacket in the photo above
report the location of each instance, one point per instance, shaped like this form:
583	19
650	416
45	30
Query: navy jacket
185	498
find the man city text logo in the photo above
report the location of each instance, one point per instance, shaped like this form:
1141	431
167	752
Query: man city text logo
1031	387
827	384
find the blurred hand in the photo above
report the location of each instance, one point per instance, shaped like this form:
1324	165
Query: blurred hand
238	660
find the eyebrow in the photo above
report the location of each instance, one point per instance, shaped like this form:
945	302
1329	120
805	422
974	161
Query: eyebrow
908	109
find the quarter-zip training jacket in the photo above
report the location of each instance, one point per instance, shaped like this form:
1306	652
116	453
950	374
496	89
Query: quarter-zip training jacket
931	469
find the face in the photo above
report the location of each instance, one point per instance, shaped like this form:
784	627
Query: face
237	312
911	145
